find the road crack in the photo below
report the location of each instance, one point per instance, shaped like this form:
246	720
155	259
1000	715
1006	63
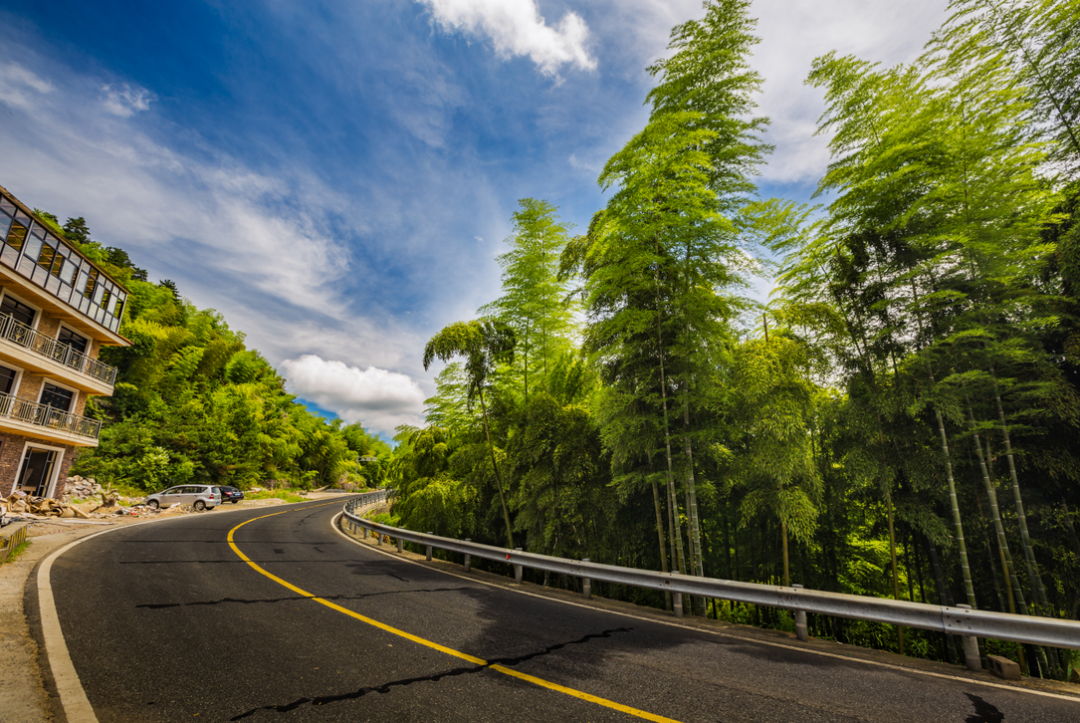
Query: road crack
291	598
405	682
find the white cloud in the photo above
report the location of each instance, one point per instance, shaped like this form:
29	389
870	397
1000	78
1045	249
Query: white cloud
377	398
516	28
19	87
126	100
793	33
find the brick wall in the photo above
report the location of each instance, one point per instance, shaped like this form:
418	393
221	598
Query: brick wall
30	386
11	455
48	325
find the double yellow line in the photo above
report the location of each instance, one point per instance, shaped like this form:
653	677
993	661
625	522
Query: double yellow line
431	644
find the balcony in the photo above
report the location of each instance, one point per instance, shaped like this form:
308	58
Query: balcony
44	346
45	421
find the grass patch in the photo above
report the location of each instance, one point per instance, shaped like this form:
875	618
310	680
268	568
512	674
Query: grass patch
287	495
19	549
385	518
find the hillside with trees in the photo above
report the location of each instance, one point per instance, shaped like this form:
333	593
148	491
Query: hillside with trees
193	403
900	420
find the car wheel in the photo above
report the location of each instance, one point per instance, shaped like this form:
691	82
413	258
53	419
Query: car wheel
236	502
153	504
199	505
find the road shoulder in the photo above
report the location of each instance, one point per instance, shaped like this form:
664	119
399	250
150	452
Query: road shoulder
25	694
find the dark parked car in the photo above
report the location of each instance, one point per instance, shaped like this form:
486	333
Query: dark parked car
231	494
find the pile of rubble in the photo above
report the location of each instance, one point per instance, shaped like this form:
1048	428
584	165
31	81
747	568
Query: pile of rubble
81	488
107	504
21	504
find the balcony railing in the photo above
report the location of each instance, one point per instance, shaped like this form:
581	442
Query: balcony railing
42	415
18	333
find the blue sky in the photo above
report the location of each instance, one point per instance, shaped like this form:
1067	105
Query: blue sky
337	177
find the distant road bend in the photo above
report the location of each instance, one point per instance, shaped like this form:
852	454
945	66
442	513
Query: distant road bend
275	616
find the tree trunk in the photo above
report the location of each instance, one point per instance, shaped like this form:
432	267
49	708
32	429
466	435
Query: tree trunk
969	588
678	562
697	557
498	478
895	574
953	503
1012	584
1037	587
727	543
787	567
660	534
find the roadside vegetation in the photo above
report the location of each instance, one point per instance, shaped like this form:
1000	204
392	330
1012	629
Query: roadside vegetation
900	420
193	403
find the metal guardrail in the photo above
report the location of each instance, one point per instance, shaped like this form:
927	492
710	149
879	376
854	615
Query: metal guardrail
22	335
953	620
42	415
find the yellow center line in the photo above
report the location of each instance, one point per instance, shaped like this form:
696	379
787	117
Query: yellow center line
430	644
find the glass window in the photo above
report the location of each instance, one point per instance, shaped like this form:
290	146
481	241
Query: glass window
57	398
7	206
17	309
33	247
16	236
46	257
91	283
78	342
67	271
7	380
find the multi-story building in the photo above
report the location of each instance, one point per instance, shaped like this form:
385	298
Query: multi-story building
57	309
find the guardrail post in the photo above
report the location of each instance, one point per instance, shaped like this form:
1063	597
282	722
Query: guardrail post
971	648
518	569
365	533
586	584
677	600
468	557
800	620
429	549
400	545
378	538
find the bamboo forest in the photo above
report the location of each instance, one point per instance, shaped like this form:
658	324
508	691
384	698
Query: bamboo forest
901	418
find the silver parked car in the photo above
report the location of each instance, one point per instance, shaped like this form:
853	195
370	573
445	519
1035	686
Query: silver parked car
201	497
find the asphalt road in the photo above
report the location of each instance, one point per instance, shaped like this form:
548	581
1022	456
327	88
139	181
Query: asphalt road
165	622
